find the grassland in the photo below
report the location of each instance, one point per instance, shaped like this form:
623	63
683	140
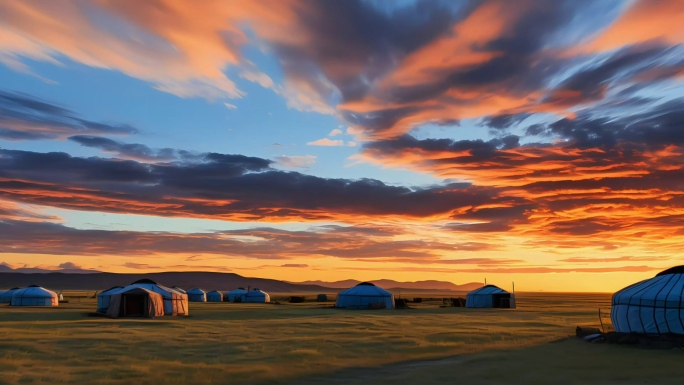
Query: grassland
223	343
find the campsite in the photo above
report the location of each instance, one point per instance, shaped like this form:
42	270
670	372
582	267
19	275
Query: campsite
311	342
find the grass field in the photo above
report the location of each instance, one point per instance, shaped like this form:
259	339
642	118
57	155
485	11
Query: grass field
224	343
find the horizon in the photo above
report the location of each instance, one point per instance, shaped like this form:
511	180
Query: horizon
534	142
307	282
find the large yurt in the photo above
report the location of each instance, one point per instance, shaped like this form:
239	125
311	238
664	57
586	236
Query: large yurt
6	297
197	295
34	295
175	302
652	306
490	296
103	299
257	296
214	296
365	295
237	295
134	301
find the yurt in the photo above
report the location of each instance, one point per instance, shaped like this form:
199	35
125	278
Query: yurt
34	295
365	295
214	296
103	299
490	296
6	297
237	295
134	301
257	296
178	289
197	295
652	306
175	303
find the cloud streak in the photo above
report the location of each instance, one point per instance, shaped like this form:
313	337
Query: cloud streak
24	117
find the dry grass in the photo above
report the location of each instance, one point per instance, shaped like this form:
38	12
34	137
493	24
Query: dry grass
223	343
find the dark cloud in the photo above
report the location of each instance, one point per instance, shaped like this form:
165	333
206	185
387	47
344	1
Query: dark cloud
222	186
134	150
263	243
23	117
591	84
657	127
504	121
368	39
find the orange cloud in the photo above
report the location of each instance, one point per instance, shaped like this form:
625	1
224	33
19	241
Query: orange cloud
644	20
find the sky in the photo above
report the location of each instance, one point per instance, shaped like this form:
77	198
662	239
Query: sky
536	142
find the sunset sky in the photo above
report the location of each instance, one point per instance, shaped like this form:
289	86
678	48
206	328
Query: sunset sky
540	142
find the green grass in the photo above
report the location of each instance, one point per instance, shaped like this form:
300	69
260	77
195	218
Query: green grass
223	343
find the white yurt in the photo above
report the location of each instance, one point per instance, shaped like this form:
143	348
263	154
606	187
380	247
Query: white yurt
103	298
175	302
214	296
652	306
34	295
257	296
134	301
365	295
490	296
197	295
237	295
6	297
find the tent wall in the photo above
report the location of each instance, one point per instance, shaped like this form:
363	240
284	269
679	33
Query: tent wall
237	295
34	296
652	306
364	301
174	303
490	296
214	296
136	303
256	297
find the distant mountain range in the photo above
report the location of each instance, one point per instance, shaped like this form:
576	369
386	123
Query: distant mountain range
390	284
89	280
4	268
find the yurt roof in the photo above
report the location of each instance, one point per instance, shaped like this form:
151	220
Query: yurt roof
255	291
195	290
111	288
214	292
489	289
37	291
366	290
149	285
672	270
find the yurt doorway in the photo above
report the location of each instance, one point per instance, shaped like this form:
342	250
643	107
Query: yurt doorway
135	305
502	300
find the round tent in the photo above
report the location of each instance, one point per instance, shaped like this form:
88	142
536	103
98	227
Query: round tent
134	301
257	296
6	297
178	289
365	295
214	296
34	295
197	295
175	302
237	295
103	299
490	296
652	306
